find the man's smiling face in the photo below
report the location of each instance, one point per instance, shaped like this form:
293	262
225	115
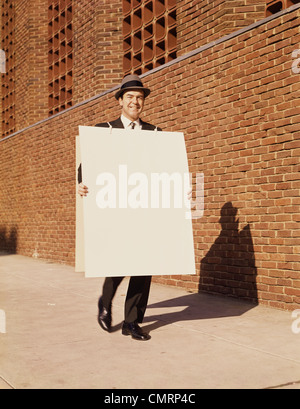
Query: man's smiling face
132	103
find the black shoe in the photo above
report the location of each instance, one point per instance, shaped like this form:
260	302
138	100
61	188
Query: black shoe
104	317
135	331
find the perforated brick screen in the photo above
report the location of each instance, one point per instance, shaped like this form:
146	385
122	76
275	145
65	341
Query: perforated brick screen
149	33
274	6
8	77
60	54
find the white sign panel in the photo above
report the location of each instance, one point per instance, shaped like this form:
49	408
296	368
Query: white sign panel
137	217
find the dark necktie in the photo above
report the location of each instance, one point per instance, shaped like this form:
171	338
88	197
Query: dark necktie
132	125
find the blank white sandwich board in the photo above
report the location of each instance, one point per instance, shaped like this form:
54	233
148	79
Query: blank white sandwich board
136	218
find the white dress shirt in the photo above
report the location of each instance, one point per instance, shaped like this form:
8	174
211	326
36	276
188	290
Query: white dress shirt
127	124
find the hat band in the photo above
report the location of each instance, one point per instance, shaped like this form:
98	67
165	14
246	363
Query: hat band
132	84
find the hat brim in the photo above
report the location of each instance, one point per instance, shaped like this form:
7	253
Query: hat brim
120	92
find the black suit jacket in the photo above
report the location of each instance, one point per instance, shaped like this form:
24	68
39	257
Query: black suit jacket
119	124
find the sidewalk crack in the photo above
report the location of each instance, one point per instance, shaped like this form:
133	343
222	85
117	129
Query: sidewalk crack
283	385
7	382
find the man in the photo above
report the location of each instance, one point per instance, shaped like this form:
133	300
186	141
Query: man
131	97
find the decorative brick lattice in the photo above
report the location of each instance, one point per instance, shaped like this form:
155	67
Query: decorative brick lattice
274	6
60	55
8	77
149	33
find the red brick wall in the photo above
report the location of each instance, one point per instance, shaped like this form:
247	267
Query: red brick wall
237	103
202	21
31	62
98	47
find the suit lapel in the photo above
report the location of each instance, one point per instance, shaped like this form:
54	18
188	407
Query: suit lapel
146	127
117	124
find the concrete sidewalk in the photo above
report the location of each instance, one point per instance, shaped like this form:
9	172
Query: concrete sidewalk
52	339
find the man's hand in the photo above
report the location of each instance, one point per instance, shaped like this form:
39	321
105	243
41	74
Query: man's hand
82	190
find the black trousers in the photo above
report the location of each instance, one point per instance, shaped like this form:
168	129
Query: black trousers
136	298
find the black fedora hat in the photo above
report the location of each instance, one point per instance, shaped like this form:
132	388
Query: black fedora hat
132	82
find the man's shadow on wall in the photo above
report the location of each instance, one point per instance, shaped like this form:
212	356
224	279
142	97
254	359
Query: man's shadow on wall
8	240
227	269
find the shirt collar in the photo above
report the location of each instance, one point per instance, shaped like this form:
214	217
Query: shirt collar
126	122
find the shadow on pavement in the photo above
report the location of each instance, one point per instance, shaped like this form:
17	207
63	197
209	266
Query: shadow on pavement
195	307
